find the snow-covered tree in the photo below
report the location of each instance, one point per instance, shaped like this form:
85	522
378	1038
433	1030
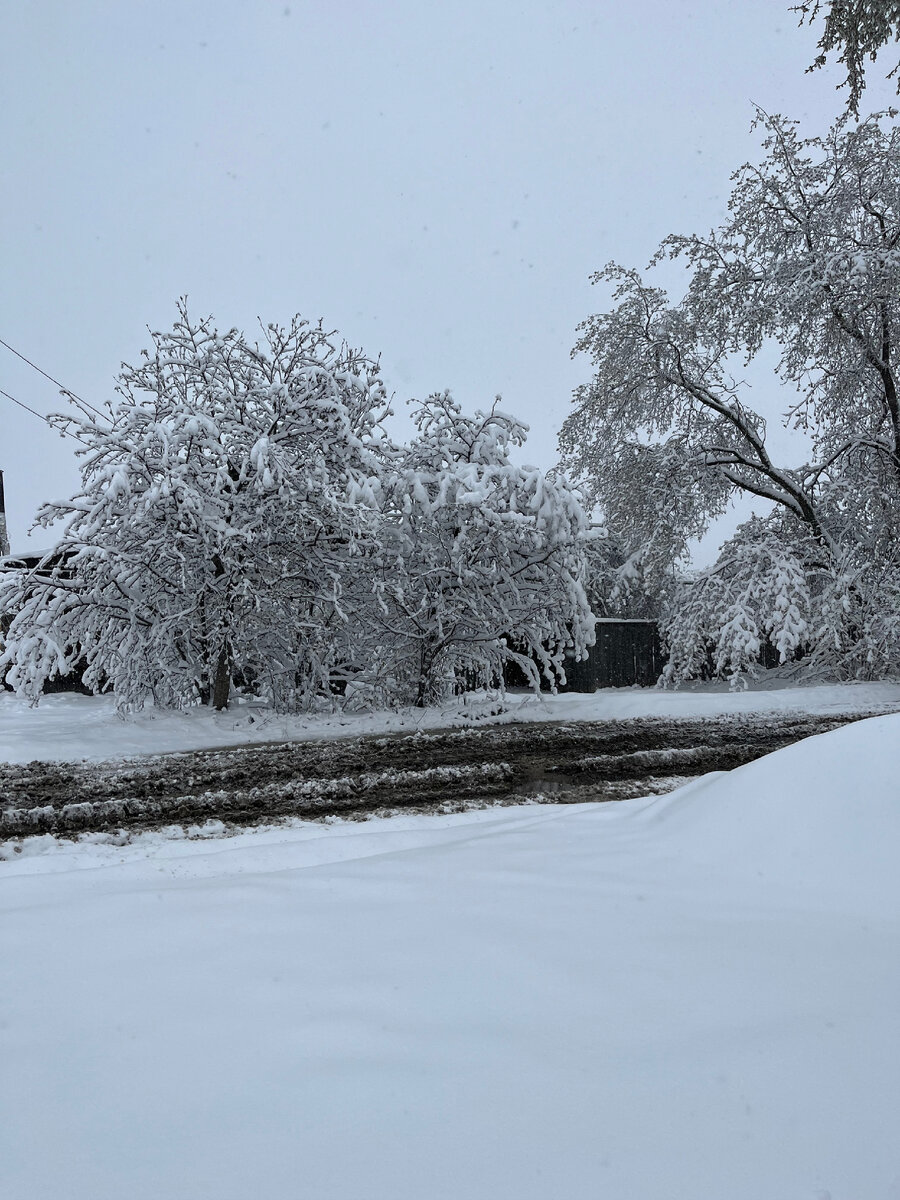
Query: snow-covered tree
858	29
480	563
808	261
771	591
614	580
225	497
759	592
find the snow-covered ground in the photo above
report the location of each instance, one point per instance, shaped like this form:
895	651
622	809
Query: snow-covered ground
67	726
694	997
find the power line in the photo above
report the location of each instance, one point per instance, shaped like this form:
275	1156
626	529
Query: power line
41	417
40	371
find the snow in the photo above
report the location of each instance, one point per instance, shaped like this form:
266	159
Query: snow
691	997
67	727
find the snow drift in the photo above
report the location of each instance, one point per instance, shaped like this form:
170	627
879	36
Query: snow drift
818	821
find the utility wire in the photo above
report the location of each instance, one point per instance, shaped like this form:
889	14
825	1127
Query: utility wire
40	371
41	417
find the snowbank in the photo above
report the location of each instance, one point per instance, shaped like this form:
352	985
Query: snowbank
817	822
72	727
693	996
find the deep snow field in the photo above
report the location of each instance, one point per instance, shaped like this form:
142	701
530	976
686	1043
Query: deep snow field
67	726
690	997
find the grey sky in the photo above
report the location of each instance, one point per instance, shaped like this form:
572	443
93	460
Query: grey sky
435	180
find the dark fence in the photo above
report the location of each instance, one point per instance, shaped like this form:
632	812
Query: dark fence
625	653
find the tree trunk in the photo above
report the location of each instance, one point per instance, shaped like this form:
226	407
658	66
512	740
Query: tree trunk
425	663
222	681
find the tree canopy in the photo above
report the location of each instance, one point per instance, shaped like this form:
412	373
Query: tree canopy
857	30
480	560
244	519
807	262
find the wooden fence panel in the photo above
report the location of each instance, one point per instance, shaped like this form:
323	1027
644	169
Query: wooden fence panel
625	653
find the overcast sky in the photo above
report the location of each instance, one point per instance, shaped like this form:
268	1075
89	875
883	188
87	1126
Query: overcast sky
435	180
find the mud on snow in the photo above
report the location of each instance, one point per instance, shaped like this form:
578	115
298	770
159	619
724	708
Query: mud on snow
444	770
